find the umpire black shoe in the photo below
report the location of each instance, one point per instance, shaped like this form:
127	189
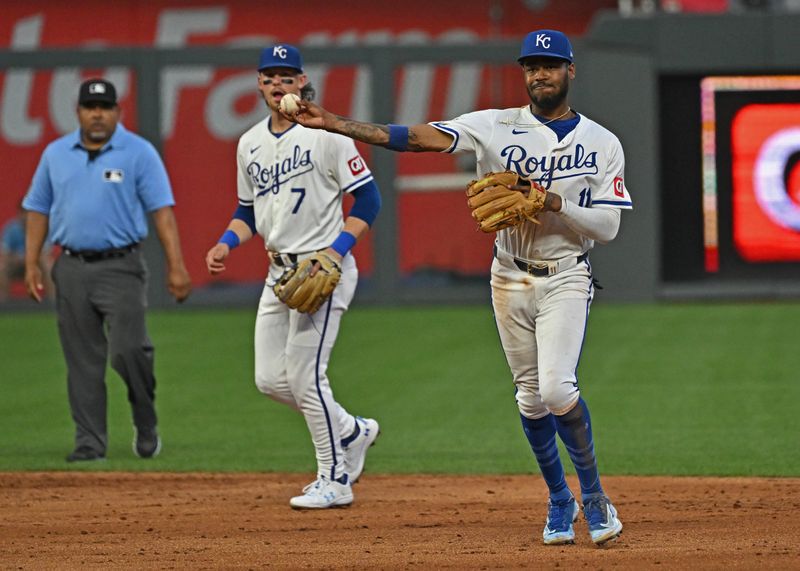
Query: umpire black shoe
85	454
146	442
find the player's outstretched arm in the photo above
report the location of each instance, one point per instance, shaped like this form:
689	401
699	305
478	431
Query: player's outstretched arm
416	138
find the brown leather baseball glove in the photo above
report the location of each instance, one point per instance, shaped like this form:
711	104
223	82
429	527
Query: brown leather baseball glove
298	289
503	199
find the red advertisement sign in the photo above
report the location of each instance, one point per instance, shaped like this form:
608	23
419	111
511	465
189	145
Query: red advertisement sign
205	109
766	182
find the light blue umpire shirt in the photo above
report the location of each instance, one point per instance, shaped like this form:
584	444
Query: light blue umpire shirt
102	203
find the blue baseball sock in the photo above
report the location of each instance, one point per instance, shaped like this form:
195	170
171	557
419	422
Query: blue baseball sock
541	434
575	430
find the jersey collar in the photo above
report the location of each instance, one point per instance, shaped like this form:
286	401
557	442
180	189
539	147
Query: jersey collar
527	116
282	133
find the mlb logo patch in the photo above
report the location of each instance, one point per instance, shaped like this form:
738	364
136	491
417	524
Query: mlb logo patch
113	175
356	165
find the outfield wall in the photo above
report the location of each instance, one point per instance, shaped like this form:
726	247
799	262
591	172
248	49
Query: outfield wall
193	102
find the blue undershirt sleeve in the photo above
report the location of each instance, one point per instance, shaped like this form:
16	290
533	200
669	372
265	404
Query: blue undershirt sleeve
367	202
247	215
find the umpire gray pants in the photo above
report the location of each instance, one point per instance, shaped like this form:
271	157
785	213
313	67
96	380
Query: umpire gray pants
101	312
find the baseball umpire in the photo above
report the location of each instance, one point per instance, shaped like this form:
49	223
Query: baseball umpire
551	184
291	181
92	190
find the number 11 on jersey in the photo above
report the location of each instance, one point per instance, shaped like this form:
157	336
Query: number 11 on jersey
585	197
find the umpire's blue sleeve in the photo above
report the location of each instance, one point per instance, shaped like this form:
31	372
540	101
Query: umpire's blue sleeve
367	202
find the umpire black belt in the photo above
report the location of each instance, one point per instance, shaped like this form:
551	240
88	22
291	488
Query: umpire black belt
98	255
545	268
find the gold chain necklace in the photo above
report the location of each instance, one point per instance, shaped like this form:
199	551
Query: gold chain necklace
554	118
521	124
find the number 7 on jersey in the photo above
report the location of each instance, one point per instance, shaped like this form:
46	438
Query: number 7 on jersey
302	193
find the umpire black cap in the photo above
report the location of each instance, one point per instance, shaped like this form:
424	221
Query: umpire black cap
97	91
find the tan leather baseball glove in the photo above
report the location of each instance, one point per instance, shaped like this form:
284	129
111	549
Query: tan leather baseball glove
503	199
298	289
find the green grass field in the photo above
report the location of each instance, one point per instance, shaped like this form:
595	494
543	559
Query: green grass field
683	389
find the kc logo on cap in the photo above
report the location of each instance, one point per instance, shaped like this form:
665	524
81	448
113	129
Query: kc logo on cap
281	55
543	40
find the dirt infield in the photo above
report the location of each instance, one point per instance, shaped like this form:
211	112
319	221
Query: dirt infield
240	521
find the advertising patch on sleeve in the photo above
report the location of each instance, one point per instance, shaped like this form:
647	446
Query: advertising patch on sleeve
356	165
619	187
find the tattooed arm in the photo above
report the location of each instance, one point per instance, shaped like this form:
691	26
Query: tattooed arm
420	137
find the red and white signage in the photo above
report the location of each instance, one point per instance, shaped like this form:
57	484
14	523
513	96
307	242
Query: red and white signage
205	109
766	182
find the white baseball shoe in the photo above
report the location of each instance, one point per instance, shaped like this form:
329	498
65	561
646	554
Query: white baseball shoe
355	452
323	493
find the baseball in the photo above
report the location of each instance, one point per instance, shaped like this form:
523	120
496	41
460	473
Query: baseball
289	104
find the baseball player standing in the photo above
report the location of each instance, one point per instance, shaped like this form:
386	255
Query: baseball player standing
541	278
290	186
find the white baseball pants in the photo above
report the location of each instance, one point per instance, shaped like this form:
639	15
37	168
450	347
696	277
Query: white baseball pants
542	322
292	350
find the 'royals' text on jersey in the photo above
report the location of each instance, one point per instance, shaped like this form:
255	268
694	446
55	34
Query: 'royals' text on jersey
295	182
586	167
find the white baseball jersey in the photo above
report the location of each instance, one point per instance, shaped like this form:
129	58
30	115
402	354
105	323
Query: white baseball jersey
295	182
586	167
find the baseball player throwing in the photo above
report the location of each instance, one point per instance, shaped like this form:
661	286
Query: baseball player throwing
290	186
567	173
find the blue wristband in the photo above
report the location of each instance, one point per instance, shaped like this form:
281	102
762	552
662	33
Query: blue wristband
344	243
230	238
398	138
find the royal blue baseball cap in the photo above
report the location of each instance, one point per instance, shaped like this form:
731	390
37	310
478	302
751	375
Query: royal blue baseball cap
548	43
281	55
